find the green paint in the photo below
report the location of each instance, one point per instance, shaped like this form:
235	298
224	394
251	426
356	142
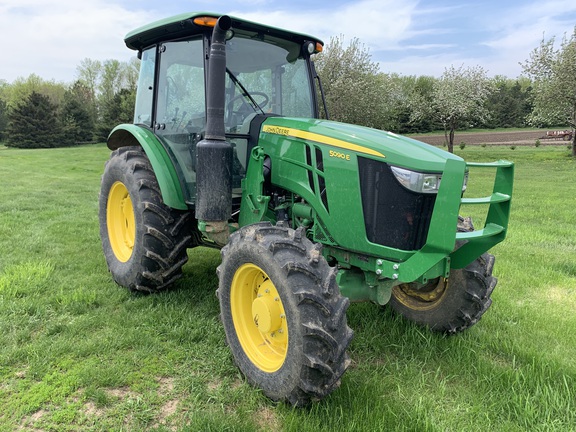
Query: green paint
316	163
129	134
254	202
182	24
338	221
496	224
362	286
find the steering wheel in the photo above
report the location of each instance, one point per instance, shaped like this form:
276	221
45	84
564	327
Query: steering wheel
261	105
235	117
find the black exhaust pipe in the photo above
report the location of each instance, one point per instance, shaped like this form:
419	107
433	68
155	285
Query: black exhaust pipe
214	154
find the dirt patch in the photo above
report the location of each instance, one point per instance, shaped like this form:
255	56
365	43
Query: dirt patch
28	422
213	385
120	393
168	408
90	409
493	138
267	419
166	385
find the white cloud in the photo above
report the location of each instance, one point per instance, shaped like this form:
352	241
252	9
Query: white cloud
516	34
51	38
377	23
422	47
436	64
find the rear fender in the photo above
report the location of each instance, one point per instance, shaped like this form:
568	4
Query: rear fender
133	135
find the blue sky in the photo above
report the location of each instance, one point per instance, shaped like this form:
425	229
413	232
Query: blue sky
409	37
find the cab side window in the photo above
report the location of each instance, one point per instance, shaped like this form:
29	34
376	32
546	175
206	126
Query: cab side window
144	95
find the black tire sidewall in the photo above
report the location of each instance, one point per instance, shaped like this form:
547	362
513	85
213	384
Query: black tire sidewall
273	384
118	170
441	311
464	301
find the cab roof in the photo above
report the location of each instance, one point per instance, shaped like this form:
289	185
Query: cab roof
182	25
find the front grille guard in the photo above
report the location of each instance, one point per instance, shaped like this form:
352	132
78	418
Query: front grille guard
494	231
438	255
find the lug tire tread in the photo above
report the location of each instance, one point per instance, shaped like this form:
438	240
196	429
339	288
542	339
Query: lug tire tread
467	298
163	234
322	312
470	299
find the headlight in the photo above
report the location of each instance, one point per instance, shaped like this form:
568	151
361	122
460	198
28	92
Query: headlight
421	182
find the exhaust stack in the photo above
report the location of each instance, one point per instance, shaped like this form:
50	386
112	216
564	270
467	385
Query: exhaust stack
214	154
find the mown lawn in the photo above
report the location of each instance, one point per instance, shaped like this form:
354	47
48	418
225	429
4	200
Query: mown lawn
77	352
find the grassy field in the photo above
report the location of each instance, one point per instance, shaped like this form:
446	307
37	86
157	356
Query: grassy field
497	130
77	352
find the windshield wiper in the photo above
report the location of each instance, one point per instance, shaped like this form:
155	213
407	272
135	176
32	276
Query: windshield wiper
245	93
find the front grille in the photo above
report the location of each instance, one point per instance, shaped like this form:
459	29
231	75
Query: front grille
394	216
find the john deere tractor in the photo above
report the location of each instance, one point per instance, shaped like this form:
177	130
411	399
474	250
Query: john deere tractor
228	150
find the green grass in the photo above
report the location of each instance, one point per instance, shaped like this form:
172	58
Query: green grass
77	352
481	130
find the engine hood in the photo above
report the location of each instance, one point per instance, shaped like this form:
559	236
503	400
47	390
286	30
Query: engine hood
392	148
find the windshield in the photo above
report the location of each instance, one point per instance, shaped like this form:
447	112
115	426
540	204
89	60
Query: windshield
265	75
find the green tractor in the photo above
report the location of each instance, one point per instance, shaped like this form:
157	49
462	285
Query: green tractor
227	150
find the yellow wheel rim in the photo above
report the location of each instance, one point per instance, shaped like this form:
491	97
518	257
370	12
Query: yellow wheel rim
259	318
423	299
120	222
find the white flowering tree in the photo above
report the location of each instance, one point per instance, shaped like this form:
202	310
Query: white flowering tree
355	91
553	72
459	99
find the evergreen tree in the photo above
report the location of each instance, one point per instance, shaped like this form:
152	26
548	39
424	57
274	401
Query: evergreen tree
76	113
509	105
34	123
119	109
3	119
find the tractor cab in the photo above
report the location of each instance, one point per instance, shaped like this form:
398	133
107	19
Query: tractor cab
268	73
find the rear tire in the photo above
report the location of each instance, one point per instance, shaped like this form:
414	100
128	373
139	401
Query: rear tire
284	317
144	241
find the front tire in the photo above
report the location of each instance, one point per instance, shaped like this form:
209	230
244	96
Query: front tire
283	315
144	241
449	305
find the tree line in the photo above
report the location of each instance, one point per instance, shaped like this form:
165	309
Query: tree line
462	98
39	113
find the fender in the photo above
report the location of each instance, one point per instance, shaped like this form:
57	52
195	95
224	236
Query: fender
130	135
